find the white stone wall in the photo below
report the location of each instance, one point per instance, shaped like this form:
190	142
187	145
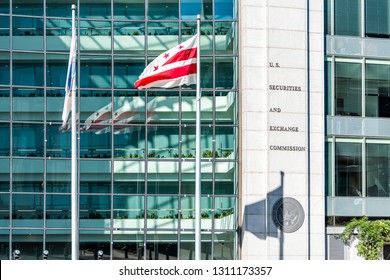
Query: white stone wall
282	87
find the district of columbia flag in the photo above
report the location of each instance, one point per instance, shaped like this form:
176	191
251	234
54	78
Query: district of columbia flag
172	68
70	80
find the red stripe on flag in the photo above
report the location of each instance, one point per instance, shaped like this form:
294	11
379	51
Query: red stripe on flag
174	73
182	55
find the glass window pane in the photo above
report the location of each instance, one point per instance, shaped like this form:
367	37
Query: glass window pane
27	210
226	107
95	9
188	141
129	177
58	8
378	170
207	75
58	243
58	176
27	104
127	71
4	238
347	17
27	140
162	211
27	69
226	38
129	211
30	245
125	10
163	177
4	209
162	36
188	212
160	246
4	104
163	107
225	246
5	139
4	68
58	35
4	7
329	169
377	90
27	175
348	169
224	215
225	73
225	178
4	32
163	141
187	246
95	36
93	241
4	175
31	8
95	211
129	38
189	9
225	142
27	28
58	141
58	211
55	104
188	107
56	70
377	18
348	87
95	72
188	178
159	10
225	9
128	245
95	176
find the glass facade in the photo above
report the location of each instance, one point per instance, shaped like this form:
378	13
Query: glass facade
358	109
137	173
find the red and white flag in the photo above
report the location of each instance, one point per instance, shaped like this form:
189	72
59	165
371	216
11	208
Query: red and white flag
172	68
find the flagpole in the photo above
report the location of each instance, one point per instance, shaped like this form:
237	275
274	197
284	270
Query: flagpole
74	210
198	223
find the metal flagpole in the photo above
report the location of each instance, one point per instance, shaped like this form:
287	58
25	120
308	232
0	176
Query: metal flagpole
197	153
74	210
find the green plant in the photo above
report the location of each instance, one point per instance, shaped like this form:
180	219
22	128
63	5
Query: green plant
152	215
205	215
371	235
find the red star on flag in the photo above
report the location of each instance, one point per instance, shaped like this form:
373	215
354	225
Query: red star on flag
166	55
155	68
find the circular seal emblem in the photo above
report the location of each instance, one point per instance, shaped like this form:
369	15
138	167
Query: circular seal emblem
288	214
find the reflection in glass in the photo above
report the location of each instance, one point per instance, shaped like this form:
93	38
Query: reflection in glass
5	142
93	9
126	71
58	141
348	89
4	175
347	14
30	245
27	104
27	140
161	246
377	90
27	68
123	10
163	10
187	246
27	210
188	177
27	175
95	73
95	176
91	242
58	176
163	142
163	177
129	207
348	169
27	28
129	177
163	107
188	107
128	245
378	170
225	246
377	18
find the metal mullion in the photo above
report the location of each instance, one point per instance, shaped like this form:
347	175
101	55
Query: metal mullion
10	132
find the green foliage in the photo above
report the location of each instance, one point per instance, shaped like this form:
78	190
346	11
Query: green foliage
371	236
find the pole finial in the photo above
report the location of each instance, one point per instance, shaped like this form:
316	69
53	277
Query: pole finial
73	7
198	16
